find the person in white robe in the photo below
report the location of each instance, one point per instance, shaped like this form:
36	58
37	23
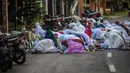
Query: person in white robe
114	38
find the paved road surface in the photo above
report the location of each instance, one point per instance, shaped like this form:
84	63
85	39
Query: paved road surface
121	60
94	62
64	63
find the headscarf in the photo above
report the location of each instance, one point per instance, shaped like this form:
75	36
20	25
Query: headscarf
88	30
39	30
107	24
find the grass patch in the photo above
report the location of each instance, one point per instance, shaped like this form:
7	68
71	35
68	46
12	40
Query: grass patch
117	14
120	14
105	17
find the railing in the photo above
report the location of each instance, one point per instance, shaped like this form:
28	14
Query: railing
1	28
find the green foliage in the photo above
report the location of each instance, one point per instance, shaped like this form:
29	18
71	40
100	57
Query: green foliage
30	11
38	19
12	27
69	3
117	14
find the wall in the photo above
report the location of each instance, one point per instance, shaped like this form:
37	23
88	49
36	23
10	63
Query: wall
99	4
81	7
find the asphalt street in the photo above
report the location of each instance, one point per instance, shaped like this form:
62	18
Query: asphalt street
92	62
121	61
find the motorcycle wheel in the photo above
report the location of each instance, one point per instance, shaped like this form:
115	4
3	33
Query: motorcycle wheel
10	64
4	66
19	57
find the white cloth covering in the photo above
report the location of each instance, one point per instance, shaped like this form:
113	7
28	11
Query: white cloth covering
114	40
45	45
127	23
107	24
125	35
77	27
39	30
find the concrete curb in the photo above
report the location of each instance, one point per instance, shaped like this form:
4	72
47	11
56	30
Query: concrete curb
113	17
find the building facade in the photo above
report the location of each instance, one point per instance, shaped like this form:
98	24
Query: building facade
98	5
61	7
108	6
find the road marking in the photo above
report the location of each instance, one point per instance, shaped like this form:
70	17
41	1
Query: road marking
112	68
109	54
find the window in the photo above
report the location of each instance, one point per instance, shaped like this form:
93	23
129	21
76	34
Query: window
108	4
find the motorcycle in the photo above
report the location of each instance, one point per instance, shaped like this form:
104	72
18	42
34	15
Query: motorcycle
92	14
11	52
18	53
5	60
53	23
67	21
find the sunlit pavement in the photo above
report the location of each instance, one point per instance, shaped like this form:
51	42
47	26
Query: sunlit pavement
92	62
121	61
64	63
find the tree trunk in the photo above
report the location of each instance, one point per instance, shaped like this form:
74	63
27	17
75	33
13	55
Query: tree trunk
112	6
98	6
68	6
5	15
104	6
